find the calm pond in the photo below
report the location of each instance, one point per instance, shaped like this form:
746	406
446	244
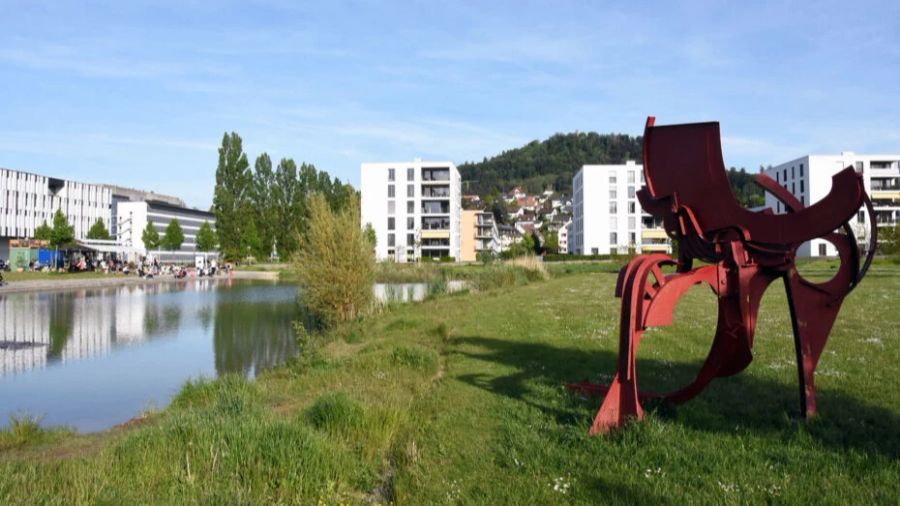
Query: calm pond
94	358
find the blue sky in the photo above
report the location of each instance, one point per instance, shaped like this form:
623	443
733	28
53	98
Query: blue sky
139	94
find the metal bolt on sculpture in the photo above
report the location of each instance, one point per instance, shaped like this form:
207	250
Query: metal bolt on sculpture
687	187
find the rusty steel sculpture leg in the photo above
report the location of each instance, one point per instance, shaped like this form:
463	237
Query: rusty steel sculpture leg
648	300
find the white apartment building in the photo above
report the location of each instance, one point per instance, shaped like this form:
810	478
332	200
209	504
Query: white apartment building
809	179
414	208
27	200
607	217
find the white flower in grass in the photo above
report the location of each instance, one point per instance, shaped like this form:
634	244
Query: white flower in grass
651	472
561	485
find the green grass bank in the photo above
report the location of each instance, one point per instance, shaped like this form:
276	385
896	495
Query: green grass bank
460	399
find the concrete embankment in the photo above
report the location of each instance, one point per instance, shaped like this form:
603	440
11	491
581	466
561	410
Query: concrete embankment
75	283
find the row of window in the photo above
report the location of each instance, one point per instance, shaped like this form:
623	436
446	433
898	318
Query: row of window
782	177
410	174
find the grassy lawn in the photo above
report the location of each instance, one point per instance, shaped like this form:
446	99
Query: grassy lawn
50	276
460	399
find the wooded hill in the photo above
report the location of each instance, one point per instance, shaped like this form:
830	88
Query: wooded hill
551	163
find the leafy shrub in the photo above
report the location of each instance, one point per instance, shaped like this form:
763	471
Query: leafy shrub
335	264
335	411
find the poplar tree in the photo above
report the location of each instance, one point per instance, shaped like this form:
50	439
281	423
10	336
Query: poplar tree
263	203
286	198
230	202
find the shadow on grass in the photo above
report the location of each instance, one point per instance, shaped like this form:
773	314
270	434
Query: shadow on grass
741	401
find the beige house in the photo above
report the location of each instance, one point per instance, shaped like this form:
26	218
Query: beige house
478	233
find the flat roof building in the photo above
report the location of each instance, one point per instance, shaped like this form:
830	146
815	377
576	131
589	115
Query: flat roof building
607	217
27	200
809	179
414	208
133	219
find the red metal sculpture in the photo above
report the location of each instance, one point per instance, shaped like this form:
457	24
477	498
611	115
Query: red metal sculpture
687	188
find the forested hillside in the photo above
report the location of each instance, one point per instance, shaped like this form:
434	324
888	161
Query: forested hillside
551	164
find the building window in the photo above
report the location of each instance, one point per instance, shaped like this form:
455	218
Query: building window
410	239
390	174
631	192
859	167
792	172
410	190
630	177
390	240
613	223
612	193
823	250
391	223
613	209
794	188
391	207
410	174
785	174
631	223
801	186
801	170
861	217
612	179
632	238
777	177
410	207
632	208
410	223
390	191
613	238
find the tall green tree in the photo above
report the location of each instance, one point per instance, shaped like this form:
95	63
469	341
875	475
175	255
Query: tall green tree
264	212
150	237
98	231
250	242
63	234
287	201
43	232
206	237
231	199
173	237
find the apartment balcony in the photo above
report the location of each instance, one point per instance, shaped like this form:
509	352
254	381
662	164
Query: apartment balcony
654	248
439	176
886	195
654	234
435	207
435	234
436	191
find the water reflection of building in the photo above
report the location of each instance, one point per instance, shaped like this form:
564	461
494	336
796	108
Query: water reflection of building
37	328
